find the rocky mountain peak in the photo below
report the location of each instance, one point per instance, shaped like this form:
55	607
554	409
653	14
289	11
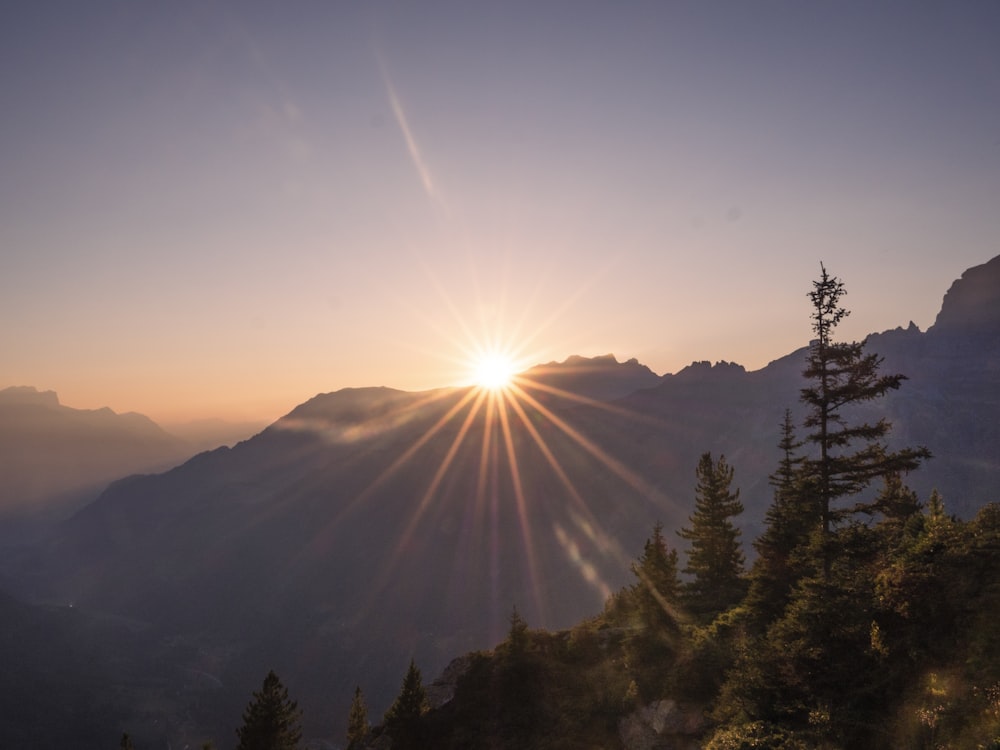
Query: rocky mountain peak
26	394
972	304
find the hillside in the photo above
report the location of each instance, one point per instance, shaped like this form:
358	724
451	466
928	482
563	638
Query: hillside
371	525
54	458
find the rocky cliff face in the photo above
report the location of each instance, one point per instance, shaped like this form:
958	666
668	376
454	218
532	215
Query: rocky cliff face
972	304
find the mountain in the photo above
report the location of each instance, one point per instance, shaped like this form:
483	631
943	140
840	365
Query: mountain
597	378
360	529
369	526
54	458
207	434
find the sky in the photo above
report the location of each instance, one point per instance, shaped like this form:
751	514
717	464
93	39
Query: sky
220	209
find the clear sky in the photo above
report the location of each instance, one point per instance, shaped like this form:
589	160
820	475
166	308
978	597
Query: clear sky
224	208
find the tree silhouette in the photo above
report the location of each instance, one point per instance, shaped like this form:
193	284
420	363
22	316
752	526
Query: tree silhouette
357	720
402	720
848	456
656	591
715	558
789	521
271	720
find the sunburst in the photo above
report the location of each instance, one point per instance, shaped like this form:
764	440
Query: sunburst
493	371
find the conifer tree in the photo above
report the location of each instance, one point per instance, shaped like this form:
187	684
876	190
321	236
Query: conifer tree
653	608
788	525
517	635
848	456
271	720
657	589
357	720
402	720
896	502
715	557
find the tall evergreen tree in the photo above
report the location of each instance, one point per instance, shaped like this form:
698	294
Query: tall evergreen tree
271	719
847	456
656	591
715	558
357	720
652	608
788	525
402	720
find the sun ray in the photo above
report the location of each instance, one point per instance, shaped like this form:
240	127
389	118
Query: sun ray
406	456
522	509
425	500
487	504
623	472
533	384
587	521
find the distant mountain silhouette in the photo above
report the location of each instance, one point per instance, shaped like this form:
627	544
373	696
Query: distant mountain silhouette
54	458
371	525
600	378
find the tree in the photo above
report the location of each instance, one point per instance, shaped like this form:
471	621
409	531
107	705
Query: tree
652	610
656	591
402	720
271	720
900	512
715	558
126	742
788	525
357	720
517	635
799	675
842	375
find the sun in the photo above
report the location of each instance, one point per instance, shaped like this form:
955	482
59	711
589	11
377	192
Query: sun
493	371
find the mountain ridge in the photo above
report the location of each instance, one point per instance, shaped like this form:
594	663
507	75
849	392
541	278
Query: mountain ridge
398	524
54	458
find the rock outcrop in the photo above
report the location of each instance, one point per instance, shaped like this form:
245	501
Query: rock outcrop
662	725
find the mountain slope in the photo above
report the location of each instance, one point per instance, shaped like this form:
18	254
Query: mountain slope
54	458
371	525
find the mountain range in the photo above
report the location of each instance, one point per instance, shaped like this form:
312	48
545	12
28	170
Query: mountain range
369	526
54	459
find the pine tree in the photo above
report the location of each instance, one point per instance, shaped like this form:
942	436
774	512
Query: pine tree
843	376
896	502
653	612
715	558
517	635
788	525
357	720
402	720
656	591
271	720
